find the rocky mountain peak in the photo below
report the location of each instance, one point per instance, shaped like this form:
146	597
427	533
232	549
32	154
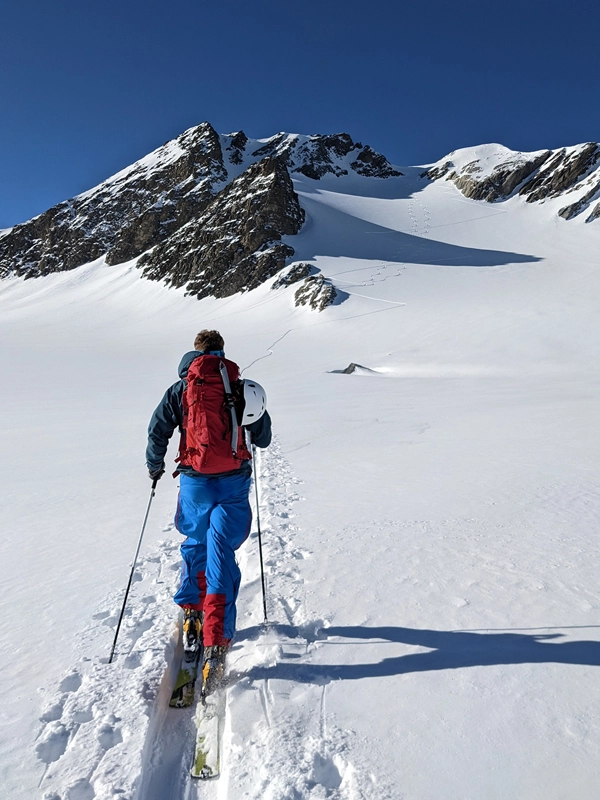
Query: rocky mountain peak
493	172
126	214
235	244
203	211
315	156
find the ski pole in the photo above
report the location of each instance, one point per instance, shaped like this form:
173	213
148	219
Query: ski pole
152	493
260	553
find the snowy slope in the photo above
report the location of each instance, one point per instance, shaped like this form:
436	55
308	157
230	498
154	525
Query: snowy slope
430	525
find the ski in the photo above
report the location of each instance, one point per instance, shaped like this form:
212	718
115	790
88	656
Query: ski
183	691
210	720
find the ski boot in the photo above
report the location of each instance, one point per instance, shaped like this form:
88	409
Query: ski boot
192	633
213	669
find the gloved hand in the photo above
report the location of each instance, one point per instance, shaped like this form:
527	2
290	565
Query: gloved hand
156	474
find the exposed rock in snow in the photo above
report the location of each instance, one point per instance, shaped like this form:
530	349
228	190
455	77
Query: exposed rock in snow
595	213
295	273
576	208
352	367
373	165
492	172
317	292
186	206
561	174
126	214
236	149
235	245
315	156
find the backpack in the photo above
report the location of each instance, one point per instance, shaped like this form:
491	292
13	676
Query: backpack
206	438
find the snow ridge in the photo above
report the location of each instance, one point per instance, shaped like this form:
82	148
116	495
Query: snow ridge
493	172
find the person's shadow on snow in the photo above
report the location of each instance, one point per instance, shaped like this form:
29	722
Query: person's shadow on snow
447	650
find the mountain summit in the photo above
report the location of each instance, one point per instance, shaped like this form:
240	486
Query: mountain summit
204	211
492	172
209	212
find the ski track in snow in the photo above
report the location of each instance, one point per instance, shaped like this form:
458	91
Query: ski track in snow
95	726
107	730
273	727
420	223
279	741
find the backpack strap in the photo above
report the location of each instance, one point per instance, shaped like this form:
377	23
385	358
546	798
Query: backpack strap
230	404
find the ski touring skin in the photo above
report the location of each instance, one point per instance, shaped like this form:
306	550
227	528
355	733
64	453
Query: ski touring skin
210	719
185	683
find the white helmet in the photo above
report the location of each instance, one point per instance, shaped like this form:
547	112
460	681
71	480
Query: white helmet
255	402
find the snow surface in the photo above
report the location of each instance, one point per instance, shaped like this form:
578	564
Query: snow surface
430	527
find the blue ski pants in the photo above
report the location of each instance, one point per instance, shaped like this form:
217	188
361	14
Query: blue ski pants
215	516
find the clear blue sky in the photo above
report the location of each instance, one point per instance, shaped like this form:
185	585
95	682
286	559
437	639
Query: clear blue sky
87	87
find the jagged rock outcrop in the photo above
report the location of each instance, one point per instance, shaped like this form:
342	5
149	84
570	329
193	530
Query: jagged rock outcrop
567	212
595	213
492	172
235	244
294	274
204	211
237	147
475	182
352	367
126	214
316	156
562	172
316	291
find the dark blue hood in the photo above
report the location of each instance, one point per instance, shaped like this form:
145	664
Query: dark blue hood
187	359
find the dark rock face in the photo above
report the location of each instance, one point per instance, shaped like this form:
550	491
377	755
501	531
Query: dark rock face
184	212
50	243
236	149
315	156
352	367
576	208
317	292
595	213
435	173
561	173
373	165
296	273
123	216
536	176
235	244
501	183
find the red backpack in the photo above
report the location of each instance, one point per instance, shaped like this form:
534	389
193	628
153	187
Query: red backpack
206	440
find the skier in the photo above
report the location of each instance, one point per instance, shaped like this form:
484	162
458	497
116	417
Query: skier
213	511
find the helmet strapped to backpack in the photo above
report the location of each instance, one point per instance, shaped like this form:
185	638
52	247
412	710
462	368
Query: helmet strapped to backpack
255	402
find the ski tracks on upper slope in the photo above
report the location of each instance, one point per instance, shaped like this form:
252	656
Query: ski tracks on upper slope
419	217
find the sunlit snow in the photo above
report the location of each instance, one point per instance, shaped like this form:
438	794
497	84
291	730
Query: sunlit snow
429	521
